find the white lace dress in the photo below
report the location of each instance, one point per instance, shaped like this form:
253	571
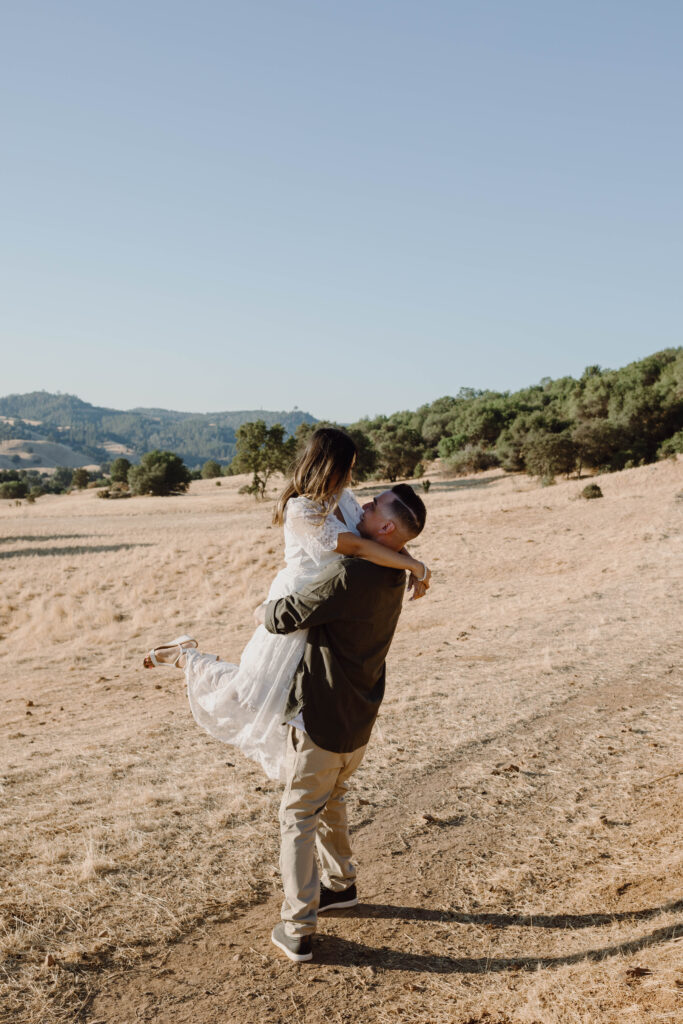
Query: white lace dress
243	704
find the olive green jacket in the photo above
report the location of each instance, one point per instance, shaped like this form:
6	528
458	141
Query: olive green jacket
351	613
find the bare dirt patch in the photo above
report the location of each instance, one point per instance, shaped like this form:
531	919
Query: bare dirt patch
516	821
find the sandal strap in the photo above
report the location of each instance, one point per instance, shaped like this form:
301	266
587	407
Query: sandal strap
189	643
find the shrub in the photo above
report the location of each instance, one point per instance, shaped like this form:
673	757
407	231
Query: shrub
426	484
117	490
419	470
13	489
211	469
473	458
671	447
160	473
591	491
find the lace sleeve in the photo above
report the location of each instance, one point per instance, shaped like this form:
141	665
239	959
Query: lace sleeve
316	533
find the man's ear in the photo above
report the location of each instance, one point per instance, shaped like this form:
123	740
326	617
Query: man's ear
387	528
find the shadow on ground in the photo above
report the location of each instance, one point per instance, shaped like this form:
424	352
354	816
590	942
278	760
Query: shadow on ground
465	483
83	550
38	538
386	911
333	950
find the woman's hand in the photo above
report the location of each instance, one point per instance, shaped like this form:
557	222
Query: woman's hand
419	587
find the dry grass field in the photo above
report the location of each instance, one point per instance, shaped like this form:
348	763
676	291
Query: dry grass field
517	820
42	455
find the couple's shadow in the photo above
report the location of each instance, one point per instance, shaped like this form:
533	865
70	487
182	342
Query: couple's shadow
336	950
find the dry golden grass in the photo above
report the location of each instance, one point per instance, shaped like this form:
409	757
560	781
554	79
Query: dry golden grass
42	455
517	818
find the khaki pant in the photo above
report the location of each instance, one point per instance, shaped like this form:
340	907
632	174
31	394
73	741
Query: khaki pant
313	816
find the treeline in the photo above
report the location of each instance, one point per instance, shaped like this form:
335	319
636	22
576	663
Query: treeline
32	484
606	420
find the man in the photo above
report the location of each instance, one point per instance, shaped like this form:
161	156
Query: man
351	613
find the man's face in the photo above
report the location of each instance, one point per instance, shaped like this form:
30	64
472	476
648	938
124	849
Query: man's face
373	524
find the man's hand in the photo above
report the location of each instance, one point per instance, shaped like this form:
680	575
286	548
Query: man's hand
260	614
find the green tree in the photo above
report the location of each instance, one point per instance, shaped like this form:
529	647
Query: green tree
399	449
119	470
211	469
80	478
366	457
262	451
597	441
13	489
61	478
546	455
160	473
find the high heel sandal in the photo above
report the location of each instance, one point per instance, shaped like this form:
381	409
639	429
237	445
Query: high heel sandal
183	643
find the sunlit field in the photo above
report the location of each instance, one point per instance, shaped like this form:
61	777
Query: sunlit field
517	820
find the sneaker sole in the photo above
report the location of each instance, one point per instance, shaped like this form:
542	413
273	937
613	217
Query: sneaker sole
296	957
338	906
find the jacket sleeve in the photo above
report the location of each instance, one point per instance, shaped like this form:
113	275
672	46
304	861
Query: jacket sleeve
325	600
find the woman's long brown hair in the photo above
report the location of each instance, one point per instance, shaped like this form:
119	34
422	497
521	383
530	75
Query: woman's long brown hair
320	471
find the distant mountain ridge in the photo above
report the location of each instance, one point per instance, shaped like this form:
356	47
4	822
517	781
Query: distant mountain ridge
97	431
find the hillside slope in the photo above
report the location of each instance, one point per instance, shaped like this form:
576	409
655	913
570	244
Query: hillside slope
96	433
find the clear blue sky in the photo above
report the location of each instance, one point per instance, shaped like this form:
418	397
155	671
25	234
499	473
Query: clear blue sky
354	207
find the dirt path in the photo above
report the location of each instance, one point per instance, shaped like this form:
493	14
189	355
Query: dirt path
477	901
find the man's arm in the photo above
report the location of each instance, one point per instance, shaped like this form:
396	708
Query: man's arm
323	601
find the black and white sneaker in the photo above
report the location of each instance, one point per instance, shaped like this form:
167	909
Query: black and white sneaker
296	949
330	900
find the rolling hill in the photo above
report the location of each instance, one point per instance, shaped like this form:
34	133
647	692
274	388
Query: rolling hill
90	435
